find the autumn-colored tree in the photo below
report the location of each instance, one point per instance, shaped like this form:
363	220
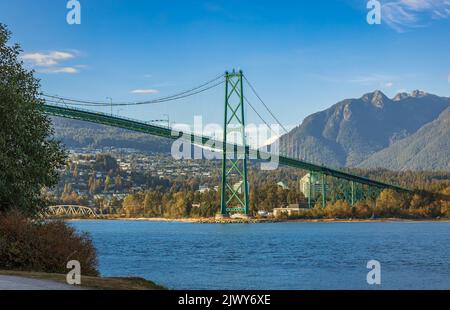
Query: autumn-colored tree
132	205
75	171
362	210
92	184
67	188
340	209
72	198
389	204
318	211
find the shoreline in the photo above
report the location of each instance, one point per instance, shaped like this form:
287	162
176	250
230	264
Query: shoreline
255	220
25	280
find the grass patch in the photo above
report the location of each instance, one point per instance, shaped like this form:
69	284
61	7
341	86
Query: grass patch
91	282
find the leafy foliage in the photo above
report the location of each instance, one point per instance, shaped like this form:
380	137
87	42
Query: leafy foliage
105	162
43	246
28	158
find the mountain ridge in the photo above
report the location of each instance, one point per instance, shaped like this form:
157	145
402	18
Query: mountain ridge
365	132
81	134
424	148
350	131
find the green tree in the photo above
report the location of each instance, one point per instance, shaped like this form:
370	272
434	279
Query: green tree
107	183
29	158
105	162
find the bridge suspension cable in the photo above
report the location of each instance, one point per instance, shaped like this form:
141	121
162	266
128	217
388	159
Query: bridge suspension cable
218	80
184	94
264	104
259	115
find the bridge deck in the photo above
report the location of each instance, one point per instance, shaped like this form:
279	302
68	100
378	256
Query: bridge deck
165	132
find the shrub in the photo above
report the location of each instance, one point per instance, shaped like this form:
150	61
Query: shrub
43	246
362	210
433	210
389	204
445	209
419	201
302	214
317	212
340	209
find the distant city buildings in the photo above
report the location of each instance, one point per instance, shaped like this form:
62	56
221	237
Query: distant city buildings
133	173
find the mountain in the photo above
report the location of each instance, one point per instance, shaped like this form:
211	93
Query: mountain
351	131
427	149
78	134
409	131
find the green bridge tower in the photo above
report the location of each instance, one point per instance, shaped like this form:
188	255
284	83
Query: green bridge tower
234	189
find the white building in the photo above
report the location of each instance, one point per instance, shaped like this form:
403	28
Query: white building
283	185
203	188
316	185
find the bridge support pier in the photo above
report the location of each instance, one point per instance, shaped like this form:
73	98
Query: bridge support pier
234	189
324	191
352	201
310	189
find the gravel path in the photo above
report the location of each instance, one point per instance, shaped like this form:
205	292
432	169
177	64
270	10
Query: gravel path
20	283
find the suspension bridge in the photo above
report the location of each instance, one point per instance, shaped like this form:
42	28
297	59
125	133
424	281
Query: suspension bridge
325	183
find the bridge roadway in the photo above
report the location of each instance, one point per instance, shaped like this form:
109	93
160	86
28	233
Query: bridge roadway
165	132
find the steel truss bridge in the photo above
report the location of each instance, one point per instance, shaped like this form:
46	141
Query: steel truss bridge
325	183
69	210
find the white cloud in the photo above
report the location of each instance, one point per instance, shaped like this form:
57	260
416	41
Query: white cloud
403	14
448	78
54	70
47	59
50	62
381	80
145	91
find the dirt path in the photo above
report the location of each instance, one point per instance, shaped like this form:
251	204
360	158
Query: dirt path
21	283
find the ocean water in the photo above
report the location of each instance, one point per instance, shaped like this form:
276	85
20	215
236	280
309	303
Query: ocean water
413	255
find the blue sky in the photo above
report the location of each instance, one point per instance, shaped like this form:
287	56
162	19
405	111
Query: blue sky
302	56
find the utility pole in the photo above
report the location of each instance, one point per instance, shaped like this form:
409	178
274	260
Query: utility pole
168	119
110	99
